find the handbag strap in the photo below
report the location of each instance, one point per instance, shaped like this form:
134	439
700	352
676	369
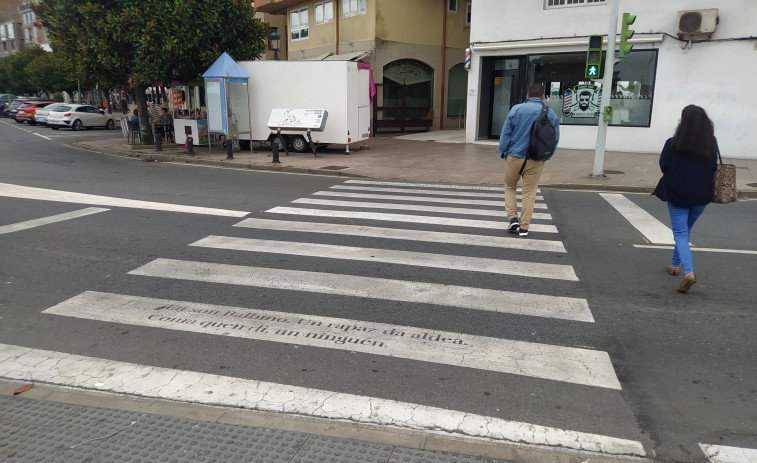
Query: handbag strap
719	157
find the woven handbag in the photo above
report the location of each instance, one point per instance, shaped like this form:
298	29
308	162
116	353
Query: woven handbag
724	183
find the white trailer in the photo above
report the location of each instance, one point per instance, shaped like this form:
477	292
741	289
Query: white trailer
339	87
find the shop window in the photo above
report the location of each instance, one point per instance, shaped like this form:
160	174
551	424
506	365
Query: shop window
564	3
456	94
324	12
353	8
298	23
576	99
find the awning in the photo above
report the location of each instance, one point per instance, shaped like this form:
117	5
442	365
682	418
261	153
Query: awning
355	56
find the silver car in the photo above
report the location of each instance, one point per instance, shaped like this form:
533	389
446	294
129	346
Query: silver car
79	116
42	113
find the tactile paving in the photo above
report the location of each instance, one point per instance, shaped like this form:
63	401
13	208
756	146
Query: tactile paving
175	433
38	412
405	455
244	444
324	449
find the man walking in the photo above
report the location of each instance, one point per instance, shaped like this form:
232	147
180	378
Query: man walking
513	148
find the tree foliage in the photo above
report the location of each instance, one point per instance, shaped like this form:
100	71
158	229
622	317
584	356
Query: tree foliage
13	75
142	43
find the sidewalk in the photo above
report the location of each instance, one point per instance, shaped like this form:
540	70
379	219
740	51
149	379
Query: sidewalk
437	156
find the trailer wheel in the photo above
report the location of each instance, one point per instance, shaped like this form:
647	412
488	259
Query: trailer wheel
278	143
299	144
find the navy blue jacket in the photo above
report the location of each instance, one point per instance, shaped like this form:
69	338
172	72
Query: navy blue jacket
685	182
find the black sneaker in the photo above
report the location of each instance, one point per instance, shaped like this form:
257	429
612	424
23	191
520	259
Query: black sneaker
514	225
523	232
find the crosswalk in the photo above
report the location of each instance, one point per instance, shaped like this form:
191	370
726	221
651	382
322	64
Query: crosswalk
420	248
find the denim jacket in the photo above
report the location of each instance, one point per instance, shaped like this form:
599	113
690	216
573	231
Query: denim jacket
516	131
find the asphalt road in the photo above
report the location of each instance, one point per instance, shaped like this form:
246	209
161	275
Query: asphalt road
686	363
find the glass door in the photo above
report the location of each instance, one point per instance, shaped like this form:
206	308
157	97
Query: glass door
504	91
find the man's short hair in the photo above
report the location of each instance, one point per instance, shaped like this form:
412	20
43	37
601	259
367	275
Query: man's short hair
164	109
536	90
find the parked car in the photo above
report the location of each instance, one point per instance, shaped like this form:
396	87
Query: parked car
27	111
5	102
42	113
13	108
79	116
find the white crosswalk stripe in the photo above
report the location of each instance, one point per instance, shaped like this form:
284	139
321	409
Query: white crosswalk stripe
413	207
429	199
726	454
419	259
491	300
422	219
460	194
510	242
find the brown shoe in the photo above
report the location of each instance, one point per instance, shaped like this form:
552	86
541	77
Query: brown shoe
688	280
674	270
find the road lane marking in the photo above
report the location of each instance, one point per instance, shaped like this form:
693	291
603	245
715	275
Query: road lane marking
44	194
41	136
404	234
51	219
725	454
556	363
537	305
423	219
499	195
70	370
413	207
725	251
429	199
388	256
654	230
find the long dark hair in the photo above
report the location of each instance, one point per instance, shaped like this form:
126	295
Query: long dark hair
695	135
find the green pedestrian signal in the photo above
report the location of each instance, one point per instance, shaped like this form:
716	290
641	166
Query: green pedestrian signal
594	57
625	34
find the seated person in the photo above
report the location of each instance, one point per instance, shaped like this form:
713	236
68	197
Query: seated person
135	117
165	118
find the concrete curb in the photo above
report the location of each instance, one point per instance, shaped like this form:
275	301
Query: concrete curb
421	440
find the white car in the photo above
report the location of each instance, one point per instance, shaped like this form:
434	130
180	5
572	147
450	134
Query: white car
43	113
78	116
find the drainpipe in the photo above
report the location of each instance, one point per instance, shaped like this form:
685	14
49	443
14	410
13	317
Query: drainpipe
336	24
444	61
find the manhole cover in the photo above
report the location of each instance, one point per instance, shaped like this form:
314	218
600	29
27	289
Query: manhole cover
334	167
614	172
753	185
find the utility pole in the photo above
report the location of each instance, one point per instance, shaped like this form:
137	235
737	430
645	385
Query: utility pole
599	150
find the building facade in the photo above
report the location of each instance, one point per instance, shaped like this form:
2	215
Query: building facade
682	52
11	38
415	48
31	28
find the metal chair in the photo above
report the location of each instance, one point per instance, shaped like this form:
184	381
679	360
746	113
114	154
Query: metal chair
134	132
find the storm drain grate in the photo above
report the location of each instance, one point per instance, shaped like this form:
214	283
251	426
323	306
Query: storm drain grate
753	185
334	167
614	172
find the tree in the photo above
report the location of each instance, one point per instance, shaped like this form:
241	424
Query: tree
13	76
48	73
141	43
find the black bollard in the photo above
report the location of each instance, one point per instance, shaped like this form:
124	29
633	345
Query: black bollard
229	148
190	146
275	153
158	140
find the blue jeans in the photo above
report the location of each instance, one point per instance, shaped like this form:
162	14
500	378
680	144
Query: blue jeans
682	220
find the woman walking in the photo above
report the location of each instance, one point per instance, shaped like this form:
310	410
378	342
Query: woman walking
688	162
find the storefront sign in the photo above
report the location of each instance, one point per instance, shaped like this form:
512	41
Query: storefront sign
582	101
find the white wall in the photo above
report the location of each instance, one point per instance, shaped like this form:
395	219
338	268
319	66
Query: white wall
717	75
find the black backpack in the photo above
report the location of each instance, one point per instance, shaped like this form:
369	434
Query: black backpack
542	143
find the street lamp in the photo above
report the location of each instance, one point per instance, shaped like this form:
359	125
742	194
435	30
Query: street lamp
275	37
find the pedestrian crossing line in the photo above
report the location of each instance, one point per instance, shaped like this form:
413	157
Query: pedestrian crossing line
387	256
490	300
77	371
556	363
446	186
43	194
430	199
404	234
414	207
499	195
725	454
423	219
51	219
652	229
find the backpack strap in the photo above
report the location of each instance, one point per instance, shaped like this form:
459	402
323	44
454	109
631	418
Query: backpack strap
544	112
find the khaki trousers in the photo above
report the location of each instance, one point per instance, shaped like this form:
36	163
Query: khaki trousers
530	178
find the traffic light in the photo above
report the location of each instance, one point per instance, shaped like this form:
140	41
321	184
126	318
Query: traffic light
625	34
594	57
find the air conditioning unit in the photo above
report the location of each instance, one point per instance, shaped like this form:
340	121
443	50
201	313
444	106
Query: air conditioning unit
697	22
